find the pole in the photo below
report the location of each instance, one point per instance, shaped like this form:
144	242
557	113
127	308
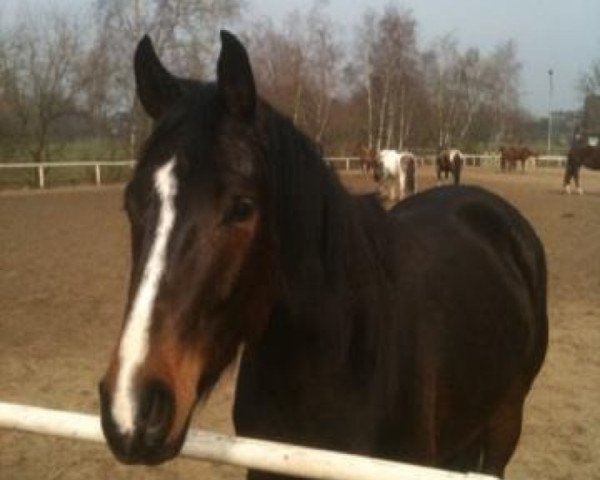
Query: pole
550	92
97	174
41	177
244	452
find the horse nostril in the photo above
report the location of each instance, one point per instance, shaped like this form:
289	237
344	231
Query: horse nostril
156	414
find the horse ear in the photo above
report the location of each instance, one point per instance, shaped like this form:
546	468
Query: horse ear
157	89
235	81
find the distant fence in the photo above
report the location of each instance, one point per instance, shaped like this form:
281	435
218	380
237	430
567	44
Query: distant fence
353	164
350	165
490	160
43	167
285	459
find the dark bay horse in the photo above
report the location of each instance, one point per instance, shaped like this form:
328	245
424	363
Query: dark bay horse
411	335
449	162
509	156
580	156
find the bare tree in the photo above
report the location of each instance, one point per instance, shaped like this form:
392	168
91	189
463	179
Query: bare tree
279	63
39	75
387	56
365	48
184	32
503	80
465	86
589	82
298	66
325	55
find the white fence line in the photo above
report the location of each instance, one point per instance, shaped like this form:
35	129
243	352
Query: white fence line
347	164
352	164
274	457
543	161
43	166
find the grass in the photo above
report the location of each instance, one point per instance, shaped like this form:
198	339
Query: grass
90	150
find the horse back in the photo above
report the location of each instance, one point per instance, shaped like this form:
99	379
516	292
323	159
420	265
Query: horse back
473	279
470	234
480	254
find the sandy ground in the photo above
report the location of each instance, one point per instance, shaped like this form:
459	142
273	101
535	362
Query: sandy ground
63	274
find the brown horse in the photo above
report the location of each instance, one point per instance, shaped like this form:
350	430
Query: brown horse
509	156
580	156
412	334
368	159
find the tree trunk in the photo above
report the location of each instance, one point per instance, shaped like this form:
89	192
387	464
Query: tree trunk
402	126
382	111
390	123
369	111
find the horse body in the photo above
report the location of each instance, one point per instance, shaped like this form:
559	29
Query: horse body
412	335
396	171
580	155
509	156
404	369
449	162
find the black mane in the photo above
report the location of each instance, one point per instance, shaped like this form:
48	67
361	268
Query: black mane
328	240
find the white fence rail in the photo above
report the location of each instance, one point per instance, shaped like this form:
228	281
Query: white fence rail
44	166
273	457
346	164
543	161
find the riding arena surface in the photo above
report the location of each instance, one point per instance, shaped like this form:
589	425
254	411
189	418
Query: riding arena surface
63	280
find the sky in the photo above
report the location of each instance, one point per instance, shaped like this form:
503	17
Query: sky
562	35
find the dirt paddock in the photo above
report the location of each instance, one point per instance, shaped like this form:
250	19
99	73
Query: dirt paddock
63	274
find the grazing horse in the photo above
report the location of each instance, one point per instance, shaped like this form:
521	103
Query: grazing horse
413	334
509	156
585	155
449	162
396	169
368	159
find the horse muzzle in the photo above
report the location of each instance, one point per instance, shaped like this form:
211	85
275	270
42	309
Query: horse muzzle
148	442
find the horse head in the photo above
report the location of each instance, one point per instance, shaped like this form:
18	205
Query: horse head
200	229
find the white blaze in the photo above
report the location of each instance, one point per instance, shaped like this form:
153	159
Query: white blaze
134	342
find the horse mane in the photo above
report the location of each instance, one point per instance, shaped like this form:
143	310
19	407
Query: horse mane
311	207
331	244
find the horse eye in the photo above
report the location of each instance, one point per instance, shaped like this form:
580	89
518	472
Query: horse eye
241	210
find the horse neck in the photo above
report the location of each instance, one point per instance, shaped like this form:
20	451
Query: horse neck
322	321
